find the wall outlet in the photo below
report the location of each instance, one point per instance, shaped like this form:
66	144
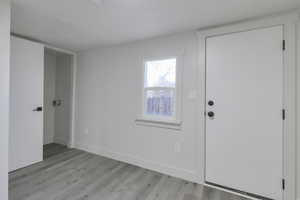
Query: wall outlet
86	131
177	147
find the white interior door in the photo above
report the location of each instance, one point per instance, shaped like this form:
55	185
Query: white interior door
26	101
244	138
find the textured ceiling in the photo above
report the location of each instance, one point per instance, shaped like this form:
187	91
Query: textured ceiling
83	24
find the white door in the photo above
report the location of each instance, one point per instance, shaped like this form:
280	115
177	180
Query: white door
244	138
26	101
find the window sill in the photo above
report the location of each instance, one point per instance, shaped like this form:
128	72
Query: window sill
172	124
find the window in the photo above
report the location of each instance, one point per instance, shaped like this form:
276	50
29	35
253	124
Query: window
160	93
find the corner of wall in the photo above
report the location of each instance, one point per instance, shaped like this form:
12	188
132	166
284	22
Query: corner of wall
140	162
4	94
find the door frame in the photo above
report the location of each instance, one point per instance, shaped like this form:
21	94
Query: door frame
289	22
298	111
71	142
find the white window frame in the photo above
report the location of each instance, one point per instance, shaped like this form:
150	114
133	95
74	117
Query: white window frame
173	122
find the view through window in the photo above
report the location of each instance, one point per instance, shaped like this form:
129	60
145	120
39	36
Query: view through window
160	88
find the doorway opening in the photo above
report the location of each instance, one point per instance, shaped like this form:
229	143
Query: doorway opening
58	84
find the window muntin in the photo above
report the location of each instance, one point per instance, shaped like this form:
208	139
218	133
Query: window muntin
160	89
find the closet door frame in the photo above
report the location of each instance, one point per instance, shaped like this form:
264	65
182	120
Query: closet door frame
289	22
71	142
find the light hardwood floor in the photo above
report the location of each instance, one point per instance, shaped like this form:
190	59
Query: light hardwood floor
78	175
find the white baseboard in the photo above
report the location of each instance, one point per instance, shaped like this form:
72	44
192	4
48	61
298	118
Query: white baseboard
165	169
88	148
59	141
50	142
231	192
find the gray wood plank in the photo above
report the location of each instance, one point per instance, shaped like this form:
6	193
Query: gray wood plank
53	149
78	175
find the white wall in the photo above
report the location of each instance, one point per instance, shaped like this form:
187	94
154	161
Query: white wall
298	113
108	84
4	95
49	96
63	92
109	78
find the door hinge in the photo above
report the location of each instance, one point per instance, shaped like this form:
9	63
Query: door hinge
283	184
283	45
283	114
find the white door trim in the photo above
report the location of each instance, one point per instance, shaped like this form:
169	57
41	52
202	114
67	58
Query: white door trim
298	111
71	142
289	22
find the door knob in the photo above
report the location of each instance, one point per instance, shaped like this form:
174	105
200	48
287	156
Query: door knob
211	114
211	103
38	109
56	102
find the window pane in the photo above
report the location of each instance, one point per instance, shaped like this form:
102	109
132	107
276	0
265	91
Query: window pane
161	73
160	103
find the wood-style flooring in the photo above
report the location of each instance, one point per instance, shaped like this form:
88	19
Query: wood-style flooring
53	149
78	175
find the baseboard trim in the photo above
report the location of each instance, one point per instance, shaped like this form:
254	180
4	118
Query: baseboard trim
59	141
165	169
231	192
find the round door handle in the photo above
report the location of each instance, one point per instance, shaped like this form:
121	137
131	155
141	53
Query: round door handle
211	114
211	103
